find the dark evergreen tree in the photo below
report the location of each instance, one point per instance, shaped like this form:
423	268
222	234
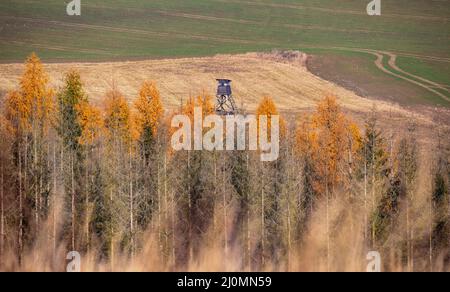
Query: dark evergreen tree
69	129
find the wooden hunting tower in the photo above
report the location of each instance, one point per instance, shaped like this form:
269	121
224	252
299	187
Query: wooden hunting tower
225	102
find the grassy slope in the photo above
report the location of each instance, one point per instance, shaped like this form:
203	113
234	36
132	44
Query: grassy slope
134	29
224	26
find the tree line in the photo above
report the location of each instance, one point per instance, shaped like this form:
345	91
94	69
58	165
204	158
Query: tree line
104	181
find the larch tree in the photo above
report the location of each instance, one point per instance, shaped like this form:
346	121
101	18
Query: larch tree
38	99
271	187
149	112
121	134
90	120
91	123
327	141
28	111
97	221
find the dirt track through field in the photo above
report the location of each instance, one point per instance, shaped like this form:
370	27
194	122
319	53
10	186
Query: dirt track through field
379	63
393	64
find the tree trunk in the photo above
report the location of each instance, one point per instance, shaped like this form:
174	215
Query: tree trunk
328	222
173	231
72	178
225	218
131	207
20	239
249	257
373	196
215	193
166	214
191	250
36	192
54	206
86	208
158	191
41	186
430	231
262	226
289	235
365	197
112	235
412	249
2	215
408	242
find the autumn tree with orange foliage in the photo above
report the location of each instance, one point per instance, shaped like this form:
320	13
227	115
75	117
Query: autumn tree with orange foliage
332	141
268	108
37	96
121	134
17	113
149	108
28	111
204	101
91	123
149	112
329	143
119	120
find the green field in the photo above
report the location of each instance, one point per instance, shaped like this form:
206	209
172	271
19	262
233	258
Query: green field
355	70
137	29
433	70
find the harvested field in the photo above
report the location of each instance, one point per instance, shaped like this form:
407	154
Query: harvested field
254	75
